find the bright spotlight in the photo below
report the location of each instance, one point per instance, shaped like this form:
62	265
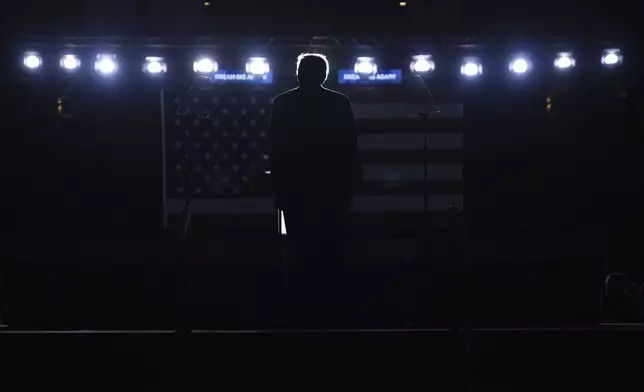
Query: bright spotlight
155	65
106	64
365	66
520	65
205	65
32	61
564	61
69	62
611	57
471	68
257	66
422	63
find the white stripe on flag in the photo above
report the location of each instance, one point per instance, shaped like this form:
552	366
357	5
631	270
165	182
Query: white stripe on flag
412	172
409	142
258	206
405	110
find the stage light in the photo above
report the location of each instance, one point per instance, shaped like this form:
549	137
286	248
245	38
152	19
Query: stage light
520	65
422	63
205	65
69	62
155	65
257	66
611	57
365	66
106	64
564	61
471	68
32	61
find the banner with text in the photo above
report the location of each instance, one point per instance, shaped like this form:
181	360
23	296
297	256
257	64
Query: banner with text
223	76
393	76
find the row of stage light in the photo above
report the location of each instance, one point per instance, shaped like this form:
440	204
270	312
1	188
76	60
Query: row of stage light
107	64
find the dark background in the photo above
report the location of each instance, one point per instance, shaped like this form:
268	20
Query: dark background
551	204
87	192
138	290
359	17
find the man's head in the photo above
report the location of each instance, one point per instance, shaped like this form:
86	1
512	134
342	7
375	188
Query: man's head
312	69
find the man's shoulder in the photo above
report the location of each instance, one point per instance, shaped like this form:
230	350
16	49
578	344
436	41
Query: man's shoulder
285	96
337	95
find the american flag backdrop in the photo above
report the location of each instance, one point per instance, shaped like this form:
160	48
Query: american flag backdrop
216	153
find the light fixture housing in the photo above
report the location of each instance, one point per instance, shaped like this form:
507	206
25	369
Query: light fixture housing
611	57
70	62
155	65
205	65
564	60
32	61
471	67
365	66
520	65
422	63
257	66
106	64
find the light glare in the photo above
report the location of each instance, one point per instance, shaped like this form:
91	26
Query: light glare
155	65
69	62
564	61
205	65
471	69
106	64
365	66
32	61
519	65
422	64
611	57
257	66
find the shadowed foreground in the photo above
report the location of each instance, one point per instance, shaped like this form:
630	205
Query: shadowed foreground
505	360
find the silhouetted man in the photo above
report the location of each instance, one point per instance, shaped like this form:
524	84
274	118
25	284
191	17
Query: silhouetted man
313	161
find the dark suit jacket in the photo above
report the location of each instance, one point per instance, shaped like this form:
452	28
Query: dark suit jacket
313	149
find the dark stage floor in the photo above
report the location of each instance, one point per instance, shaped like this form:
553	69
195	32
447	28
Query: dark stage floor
400	330
607	357
238	284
